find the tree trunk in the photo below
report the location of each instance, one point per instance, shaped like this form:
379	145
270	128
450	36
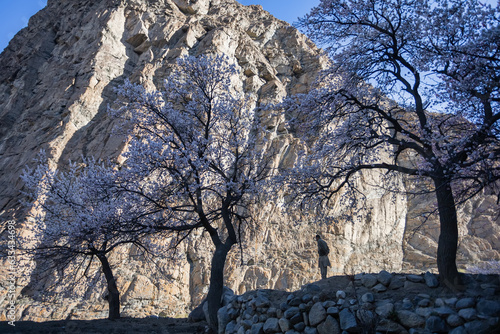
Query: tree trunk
448	237
216	283
113	293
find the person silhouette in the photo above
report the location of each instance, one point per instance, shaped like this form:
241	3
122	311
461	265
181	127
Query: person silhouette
323	252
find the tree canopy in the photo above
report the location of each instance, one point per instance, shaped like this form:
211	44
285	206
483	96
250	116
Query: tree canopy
411	81
79	215
195	159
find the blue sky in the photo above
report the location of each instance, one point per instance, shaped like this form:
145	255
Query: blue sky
14	14
286	10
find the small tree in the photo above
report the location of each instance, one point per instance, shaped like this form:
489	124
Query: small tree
412	78
196	150
79	215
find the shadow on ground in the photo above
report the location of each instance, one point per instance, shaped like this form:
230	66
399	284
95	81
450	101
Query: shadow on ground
104	326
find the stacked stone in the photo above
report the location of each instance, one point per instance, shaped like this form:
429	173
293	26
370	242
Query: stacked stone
369	308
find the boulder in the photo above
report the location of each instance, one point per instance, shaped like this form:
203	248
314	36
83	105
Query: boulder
435	324
340	294
284	324
197	314
490	308
310	330
271	326
468	314
299	327
317	314
257	329
329	326
410	319
368	297
348	320
390	327
465	303
289	313
415	278
454	320
223	318
369	280
384	277
431	280
385	309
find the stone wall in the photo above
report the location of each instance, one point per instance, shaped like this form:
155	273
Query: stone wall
365	303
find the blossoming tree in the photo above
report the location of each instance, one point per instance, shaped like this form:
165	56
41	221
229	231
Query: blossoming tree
410	78
79	215
195	158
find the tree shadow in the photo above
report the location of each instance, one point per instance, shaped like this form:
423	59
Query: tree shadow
99	139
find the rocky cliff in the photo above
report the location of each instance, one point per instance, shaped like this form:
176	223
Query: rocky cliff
57	78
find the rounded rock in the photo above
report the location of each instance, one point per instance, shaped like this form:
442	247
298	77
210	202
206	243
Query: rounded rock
329	326
384	277
458	330
385	310
435	324
468	314
410	319
431	280
272	312
454	320
310	330
347	320
271	326
291	312
415	278
369	280
368	297
340	294
379	288
332	310
329	303
465	303
489	308
477	326
296	318
444	311
424	303
317	314
300	326
306	298
257	329
451	301
284	324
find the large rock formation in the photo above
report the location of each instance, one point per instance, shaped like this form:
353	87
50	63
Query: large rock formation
57	77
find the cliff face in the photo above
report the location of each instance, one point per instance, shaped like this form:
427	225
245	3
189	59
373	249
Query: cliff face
57	78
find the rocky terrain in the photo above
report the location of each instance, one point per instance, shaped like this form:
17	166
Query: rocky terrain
368	303
363	303
57	79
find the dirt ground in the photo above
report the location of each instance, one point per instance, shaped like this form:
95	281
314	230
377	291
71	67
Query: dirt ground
104	326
